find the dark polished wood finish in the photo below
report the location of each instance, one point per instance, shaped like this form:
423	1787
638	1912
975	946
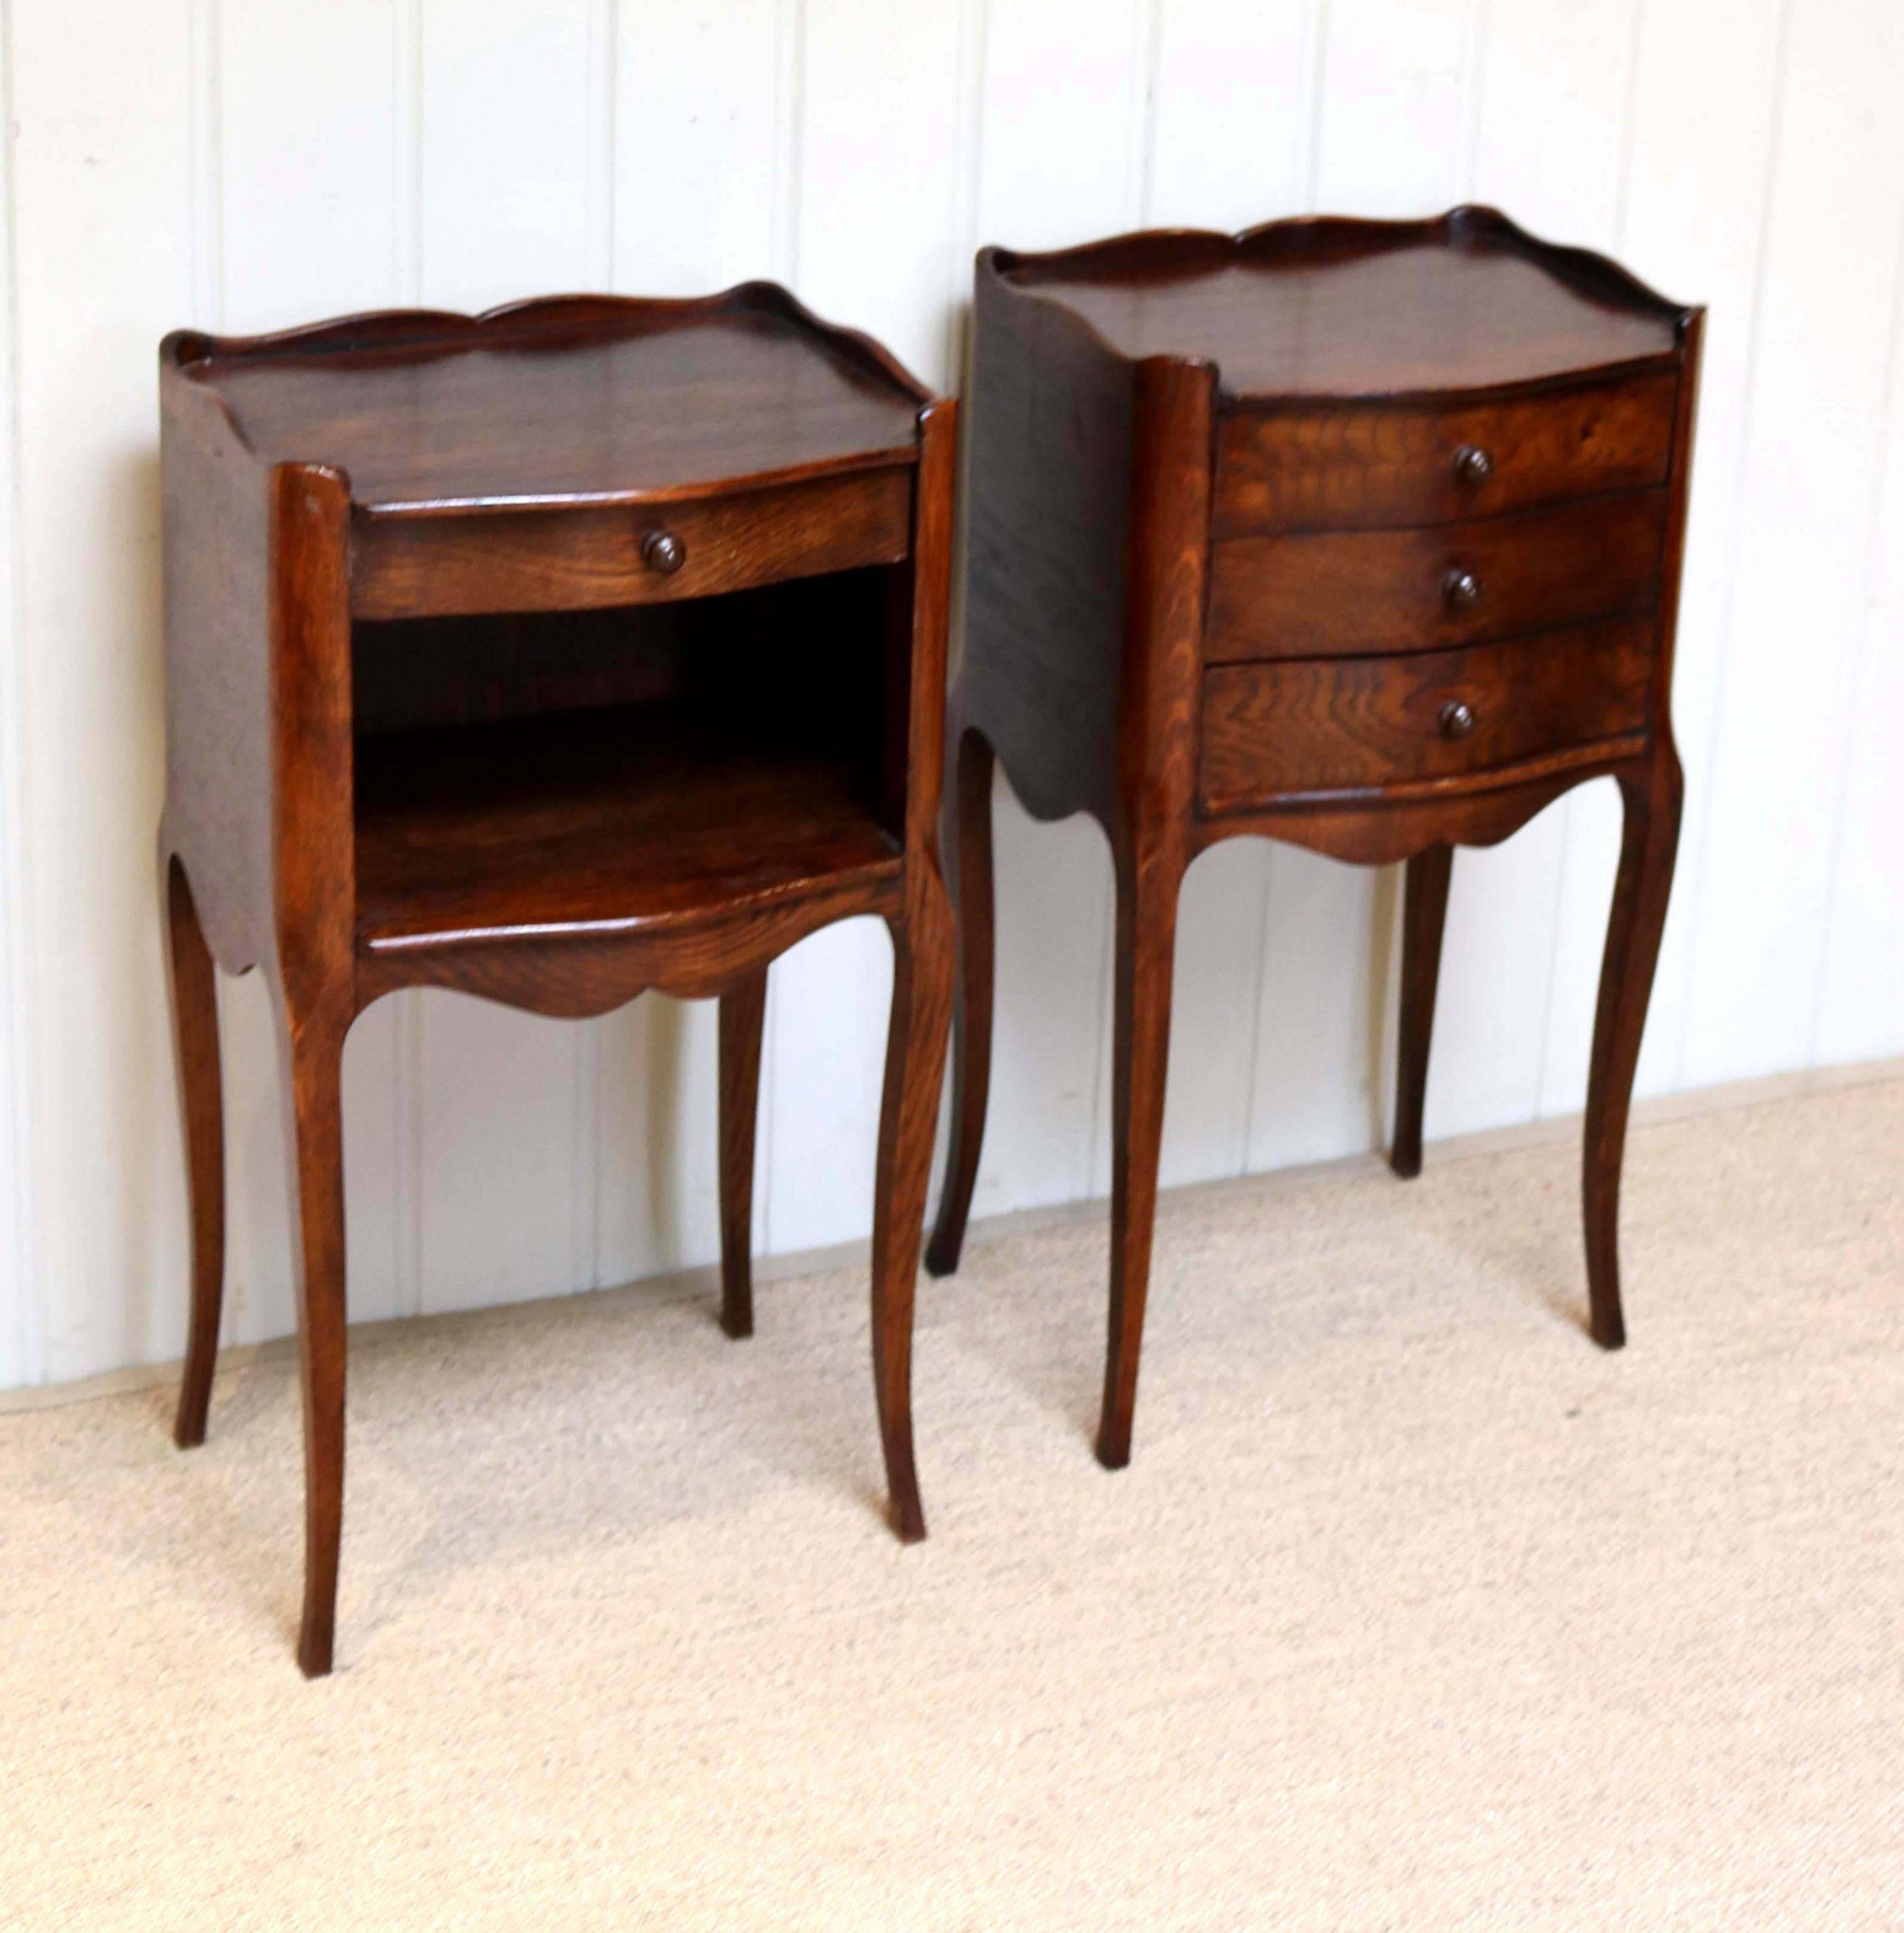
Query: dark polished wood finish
1365	535
585	647
1424	918
1353	593
743	1022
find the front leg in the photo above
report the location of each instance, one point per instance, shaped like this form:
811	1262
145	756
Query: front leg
742	1016
312	1051
1147	889
1424	916
915	1060
1651	795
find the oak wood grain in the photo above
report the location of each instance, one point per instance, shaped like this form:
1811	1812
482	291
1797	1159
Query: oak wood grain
1311	726
1376	465
1405	380
602	399
1325	307
512	771
1174	419
1354	592
585	559
592	822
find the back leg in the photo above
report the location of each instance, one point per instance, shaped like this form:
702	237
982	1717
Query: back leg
195	1031
1424	915
967	842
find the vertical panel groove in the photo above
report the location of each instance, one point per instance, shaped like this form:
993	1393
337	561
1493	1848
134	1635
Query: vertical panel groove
1318	82
1694	902
21	1282
1134	132
1474	84
1888	397
407	151
1377	107
1570	840
789	90
790	132
967	173
1150	30
408	1056
208	226
1306	155
589	1126
603	89
1629	104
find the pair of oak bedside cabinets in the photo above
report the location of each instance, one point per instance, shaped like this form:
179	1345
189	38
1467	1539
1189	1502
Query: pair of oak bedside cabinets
594	645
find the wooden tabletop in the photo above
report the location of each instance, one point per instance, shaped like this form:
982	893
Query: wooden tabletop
1343	308
592	399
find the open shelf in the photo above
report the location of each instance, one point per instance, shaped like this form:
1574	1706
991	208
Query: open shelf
604	772
593	821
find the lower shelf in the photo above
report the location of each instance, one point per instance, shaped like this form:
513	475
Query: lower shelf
593	823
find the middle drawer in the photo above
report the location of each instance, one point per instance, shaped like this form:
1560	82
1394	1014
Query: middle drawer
1342	593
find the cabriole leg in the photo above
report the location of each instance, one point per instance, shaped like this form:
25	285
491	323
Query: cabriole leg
195	1030
915	1061
1146	943
312	1049
742	1016
1652	797
1424	915
967	842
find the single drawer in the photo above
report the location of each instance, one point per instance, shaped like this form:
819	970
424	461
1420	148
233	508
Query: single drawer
1342	592
1296	730
1367	466
592	557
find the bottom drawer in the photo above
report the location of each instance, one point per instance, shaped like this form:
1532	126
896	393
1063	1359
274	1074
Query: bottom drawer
1290	730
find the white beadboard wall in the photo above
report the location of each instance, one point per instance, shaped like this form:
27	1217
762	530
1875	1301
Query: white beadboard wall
241	164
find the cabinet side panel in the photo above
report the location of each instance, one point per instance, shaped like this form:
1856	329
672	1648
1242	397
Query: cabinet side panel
217	742
1046	510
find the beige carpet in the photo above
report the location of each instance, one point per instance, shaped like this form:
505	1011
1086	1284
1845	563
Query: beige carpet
1413	1610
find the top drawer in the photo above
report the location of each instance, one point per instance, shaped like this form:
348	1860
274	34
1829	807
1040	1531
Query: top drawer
1365	466
596	556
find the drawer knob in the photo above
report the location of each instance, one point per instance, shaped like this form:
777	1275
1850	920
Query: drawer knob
664	552
1456	719
1460	589
1472	464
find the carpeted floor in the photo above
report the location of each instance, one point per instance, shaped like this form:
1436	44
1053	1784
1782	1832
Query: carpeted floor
1413	1610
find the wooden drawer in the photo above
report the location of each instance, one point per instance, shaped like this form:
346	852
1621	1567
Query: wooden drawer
1342	592
591	557
1297	729
1366	466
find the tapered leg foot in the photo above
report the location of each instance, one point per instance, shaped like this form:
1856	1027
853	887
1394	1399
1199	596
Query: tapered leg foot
743	1015
1652	797
1424	915
1146	941
312	1053
915	1061
195	1030
968	841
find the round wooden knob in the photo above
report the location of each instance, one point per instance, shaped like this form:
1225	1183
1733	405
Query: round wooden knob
1472	464
662	550
1460	589
1457	720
